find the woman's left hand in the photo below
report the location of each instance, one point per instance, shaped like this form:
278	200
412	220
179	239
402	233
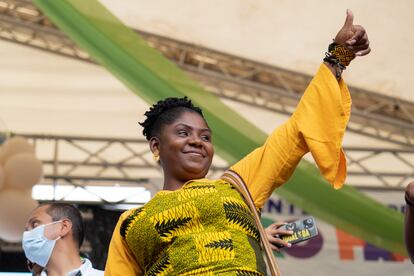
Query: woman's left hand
273	233
353	37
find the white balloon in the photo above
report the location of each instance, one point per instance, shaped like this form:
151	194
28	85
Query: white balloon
15	208
14	146
22	171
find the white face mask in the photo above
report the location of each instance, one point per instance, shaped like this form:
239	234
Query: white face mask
36	246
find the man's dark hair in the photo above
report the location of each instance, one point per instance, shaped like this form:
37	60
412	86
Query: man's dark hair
59	211
165	112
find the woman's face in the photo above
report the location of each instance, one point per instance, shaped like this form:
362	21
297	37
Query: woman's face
185	148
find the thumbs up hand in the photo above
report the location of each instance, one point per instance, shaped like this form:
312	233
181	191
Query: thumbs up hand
353	37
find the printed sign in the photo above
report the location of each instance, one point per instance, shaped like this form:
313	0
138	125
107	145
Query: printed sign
332	251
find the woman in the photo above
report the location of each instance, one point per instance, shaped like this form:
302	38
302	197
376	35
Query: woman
200	226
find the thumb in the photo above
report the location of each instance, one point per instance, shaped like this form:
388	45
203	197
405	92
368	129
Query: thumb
349	21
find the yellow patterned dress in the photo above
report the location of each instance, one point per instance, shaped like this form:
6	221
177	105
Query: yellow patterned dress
205	228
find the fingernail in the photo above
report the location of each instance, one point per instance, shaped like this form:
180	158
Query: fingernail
289	245
291	232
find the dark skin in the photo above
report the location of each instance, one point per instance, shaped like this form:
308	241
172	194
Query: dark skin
273	235
185	150
409	221
185	147
354	37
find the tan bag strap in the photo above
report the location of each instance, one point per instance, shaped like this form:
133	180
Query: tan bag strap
234	178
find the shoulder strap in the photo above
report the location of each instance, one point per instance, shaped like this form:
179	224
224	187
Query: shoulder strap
234	178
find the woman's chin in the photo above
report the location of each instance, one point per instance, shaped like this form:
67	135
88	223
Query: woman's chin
197	173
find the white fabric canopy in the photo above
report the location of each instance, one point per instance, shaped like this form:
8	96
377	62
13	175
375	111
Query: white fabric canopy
290	34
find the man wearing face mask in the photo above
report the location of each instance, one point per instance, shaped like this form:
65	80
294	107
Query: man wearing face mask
53	236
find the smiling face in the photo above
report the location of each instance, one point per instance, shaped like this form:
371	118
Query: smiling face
185	149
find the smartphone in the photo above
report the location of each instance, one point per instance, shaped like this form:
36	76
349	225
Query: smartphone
303	229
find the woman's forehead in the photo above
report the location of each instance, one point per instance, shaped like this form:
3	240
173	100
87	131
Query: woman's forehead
191	119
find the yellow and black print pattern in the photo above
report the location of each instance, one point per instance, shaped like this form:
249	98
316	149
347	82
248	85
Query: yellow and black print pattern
214	246
204	228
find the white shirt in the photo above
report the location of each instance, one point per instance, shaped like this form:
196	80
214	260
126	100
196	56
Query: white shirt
85	269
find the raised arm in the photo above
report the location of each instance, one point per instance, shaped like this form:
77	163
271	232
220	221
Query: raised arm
409	220
317	125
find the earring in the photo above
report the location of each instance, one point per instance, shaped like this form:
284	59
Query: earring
156	157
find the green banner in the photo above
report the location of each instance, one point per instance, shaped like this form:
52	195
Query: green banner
152	77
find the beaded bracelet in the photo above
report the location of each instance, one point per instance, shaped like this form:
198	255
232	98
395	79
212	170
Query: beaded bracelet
334	62
342	54
338	56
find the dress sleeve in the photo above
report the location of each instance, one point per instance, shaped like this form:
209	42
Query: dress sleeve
121	261
317	125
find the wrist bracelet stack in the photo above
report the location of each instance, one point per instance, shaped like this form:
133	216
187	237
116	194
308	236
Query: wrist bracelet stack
338	56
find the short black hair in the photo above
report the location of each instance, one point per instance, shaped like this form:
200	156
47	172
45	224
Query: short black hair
165	112
59	211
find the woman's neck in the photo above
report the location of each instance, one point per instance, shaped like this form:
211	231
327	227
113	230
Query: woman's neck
172	185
